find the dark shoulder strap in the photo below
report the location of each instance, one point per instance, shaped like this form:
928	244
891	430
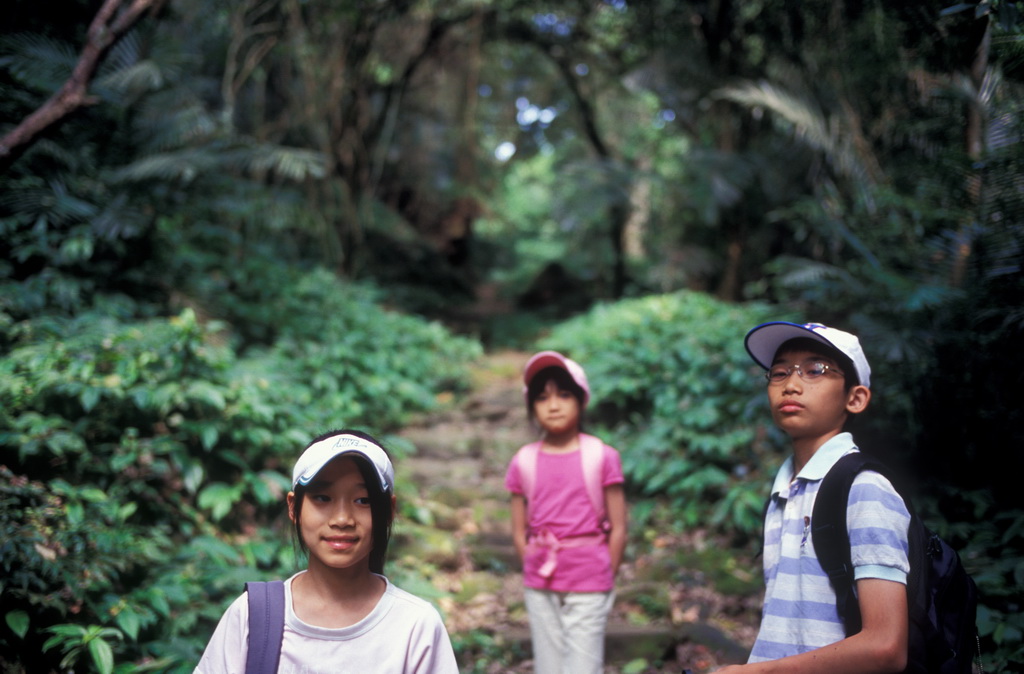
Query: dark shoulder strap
266	626
832	540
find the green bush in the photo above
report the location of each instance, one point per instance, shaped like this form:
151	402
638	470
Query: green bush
680	397
144	463
675	391
352	359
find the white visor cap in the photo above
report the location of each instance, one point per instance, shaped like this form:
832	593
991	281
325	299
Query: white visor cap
319	454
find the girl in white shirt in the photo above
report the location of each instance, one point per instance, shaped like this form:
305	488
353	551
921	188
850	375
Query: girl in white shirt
341	613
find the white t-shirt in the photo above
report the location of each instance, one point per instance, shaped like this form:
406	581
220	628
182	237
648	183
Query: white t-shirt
402	635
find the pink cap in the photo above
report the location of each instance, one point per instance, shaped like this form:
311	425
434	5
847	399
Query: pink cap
546	359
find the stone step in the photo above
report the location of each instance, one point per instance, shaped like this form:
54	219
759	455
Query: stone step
625	643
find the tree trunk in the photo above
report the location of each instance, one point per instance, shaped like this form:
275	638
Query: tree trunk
974	139
618	214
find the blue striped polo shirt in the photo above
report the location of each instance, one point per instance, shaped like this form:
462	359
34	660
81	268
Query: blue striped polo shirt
799	611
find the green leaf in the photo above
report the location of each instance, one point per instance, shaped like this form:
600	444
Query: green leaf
160	604
64	634
51	642
209	435
958	7
76	513
636	666
127	510
207	393
89	397
129	622
18	621
71	658
93	495
102	655
192	476
263	492
218	498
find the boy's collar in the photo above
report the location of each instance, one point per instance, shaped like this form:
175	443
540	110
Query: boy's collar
818	465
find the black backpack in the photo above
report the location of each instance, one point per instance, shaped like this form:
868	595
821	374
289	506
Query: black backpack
942	599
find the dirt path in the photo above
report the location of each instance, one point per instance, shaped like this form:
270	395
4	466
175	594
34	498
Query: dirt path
661	614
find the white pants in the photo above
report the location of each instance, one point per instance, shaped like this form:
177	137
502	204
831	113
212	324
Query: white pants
567	630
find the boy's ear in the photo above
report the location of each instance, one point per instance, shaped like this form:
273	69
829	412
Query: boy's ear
857	399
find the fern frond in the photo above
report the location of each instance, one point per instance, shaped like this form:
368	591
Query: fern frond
805	273
55	202
123	54
929	297
66	206
126	75
118	219
36	61
66	157
290	163
135	80
173	119
23	201
810	124
1008	49
182	165
826	134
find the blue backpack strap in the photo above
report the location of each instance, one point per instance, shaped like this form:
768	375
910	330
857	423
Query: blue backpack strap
266	626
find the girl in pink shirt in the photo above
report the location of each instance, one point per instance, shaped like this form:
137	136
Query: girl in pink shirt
568	520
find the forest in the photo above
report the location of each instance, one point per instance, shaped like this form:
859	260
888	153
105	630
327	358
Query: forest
229	225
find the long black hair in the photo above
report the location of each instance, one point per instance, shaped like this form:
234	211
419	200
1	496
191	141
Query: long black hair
381	506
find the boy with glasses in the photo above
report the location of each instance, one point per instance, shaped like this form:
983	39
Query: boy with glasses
817	377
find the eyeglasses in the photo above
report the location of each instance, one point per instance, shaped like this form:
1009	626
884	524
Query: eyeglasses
808	372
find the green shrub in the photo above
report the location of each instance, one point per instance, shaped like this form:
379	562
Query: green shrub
144	463
481	652
351	359
675	391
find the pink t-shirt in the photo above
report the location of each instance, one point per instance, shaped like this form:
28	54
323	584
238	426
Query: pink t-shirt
561	505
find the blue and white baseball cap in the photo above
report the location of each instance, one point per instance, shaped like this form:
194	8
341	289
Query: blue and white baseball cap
319	454
763	343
